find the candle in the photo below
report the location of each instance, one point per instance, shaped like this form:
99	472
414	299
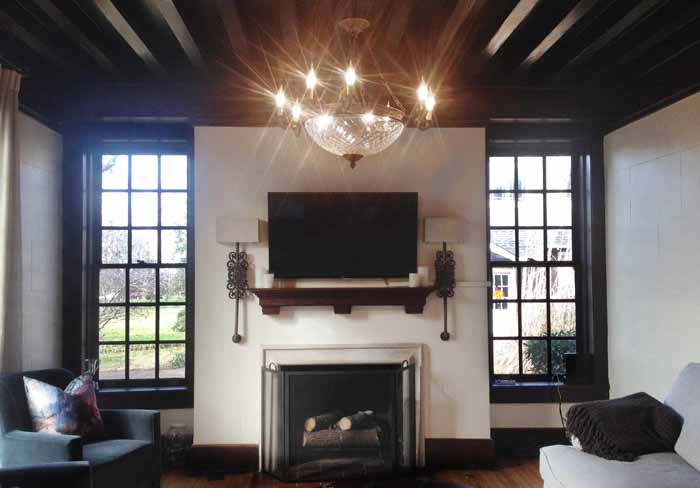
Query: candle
413	280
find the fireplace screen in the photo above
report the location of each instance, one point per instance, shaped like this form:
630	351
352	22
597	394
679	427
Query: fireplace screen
329	422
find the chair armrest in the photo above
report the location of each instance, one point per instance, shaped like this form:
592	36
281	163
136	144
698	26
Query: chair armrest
56	475
24	448
142	425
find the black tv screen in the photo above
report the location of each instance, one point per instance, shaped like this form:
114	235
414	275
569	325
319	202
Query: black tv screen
343	235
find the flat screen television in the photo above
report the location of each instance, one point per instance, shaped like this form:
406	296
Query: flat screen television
343	235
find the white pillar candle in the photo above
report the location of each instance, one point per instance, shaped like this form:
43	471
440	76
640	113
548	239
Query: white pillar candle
423	275
268	280
413	280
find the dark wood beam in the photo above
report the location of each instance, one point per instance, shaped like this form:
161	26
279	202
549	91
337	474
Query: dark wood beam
641	10
448	45
122	27
234	30
571	19
168	12
76	35
46	51
400	12
512	22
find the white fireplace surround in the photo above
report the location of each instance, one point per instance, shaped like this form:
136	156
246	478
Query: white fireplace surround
356	354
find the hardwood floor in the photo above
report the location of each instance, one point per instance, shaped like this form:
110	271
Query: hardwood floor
511	473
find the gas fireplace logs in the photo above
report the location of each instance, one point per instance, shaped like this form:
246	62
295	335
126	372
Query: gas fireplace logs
341	439
323	421
356	421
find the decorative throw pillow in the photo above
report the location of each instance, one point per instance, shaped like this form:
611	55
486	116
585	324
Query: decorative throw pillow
73	411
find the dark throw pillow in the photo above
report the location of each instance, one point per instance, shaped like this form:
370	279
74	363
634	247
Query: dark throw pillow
72	412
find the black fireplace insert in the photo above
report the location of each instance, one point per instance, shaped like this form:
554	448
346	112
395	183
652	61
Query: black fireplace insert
331	422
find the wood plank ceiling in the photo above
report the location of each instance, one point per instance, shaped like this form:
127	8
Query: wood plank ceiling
215	61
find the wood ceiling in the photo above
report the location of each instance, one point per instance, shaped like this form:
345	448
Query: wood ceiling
211	61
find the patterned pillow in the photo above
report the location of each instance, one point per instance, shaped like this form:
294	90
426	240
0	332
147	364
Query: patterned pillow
73	411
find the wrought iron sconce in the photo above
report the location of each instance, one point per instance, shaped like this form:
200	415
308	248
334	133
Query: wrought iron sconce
444	230
230	231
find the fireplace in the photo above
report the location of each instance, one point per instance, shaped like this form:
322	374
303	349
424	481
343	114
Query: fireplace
337	421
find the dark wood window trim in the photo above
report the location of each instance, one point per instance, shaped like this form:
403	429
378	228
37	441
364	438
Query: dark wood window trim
82	147
589	235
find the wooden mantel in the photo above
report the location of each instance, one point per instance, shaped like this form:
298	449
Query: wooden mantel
342	299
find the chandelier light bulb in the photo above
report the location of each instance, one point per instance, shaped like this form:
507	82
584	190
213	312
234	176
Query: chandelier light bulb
430	102
324	121
422	91
280	99
368	118
311	79
350	76
296	111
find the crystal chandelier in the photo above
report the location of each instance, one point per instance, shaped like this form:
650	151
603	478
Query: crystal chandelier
346	114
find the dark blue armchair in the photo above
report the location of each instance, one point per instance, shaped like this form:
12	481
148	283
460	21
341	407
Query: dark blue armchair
129	455
53	475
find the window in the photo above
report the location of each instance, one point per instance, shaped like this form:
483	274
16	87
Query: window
143	319
533	300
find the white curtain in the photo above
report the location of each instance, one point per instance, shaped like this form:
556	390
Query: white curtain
10	236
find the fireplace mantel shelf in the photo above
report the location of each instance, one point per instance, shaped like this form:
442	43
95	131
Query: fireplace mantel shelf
342	299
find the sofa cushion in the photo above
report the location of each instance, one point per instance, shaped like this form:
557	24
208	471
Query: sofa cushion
120	462
685	399
566	467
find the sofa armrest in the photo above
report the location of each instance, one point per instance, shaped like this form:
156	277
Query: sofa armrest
142	425
56	475
23	448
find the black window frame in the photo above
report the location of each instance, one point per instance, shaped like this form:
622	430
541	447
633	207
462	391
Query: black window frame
83	146
588	234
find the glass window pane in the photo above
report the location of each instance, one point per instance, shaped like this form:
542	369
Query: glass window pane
115	210
173	209
502	245
563	319
534	283
559	209
173	171
144	246
562	281
535	357
501	173
172	285
530	209
558	172
505	357
144	172
142	361
505	319
534	319
144	209
142	285
115	246
115	172
112	285
112	323
502	209
172	322
142	323
559	348
172	361
531	245
173	246
504	284
112	360
559	245
530	170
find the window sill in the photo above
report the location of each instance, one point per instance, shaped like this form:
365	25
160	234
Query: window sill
155	398
543	392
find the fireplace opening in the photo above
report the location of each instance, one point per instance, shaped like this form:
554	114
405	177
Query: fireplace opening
330	422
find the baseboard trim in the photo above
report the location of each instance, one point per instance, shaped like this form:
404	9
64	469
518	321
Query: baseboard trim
213	459
459	453
526	441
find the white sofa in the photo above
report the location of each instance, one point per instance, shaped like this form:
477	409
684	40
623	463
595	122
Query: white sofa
568	467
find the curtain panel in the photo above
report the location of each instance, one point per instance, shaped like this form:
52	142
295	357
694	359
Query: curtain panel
10	235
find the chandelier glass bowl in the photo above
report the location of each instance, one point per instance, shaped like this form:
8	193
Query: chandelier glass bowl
348	115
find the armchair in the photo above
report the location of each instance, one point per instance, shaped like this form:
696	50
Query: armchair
55	475
128	455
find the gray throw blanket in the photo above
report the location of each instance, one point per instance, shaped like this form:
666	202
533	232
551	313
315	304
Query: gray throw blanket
625	428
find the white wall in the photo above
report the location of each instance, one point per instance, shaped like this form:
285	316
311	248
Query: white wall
235	169
40	154
653	239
